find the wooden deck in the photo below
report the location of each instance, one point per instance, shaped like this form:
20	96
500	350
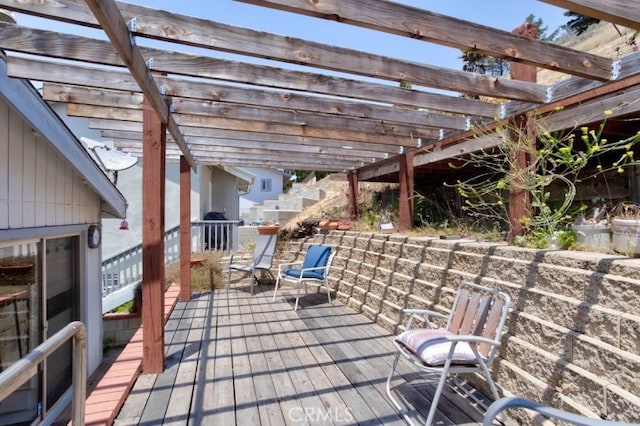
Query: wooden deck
234	358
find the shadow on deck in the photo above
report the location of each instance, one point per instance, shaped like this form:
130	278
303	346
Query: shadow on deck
234	358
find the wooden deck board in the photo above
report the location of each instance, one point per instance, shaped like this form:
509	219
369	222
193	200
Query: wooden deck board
237	358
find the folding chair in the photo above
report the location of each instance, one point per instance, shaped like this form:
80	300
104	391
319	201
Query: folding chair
261	259
552	413
467	344
313	269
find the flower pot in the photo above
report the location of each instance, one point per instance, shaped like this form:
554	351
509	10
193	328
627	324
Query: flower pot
626	236
593	235
268	229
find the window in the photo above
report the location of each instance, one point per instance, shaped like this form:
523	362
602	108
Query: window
265	185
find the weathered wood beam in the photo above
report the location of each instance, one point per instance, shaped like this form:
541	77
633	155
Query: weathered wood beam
215	92
238	111
408	21
217	137
183	29
52	44
226	145
620	12
113	24
234	151
305	163
111	113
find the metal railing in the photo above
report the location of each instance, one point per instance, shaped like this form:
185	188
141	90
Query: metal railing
23	369
122	273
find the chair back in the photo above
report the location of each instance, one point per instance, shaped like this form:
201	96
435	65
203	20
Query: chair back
265	250
316	257
479	311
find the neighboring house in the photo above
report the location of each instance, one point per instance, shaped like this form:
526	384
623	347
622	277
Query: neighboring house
51	194
212	189
268	185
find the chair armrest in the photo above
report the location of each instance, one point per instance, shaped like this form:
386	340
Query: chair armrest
512	402
287	264
239	252
425	313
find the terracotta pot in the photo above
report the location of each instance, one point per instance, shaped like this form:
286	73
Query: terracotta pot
268	229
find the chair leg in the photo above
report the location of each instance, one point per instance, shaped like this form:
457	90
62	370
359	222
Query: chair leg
295	308
326	285
389	378
436	396
275	290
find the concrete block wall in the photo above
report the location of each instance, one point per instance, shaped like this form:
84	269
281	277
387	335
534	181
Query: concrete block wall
573	336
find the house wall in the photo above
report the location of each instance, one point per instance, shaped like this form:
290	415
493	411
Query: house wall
573	335
256	195
219	193
130	184
42	196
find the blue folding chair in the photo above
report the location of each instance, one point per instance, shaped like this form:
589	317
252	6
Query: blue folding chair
313	269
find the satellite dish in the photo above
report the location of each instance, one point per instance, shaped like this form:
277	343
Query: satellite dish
112	159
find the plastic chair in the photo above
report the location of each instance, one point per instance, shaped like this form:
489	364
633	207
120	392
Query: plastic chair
261	259
467	344
313	269
513	402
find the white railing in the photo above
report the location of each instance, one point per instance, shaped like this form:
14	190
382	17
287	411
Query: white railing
22	370
123	272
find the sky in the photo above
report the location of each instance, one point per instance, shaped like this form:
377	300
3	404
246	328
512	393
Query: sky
502	14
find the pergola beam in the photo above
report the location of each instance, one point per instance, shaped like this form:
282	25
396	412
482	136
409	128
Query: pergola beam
420	24
113	24
621	12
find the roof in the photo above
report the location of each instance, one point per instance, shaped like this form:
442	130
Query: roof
245	178
237	113
27	101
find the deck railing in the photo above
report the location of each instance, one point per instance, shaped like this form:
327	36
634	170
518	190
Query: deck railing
123	272
23	369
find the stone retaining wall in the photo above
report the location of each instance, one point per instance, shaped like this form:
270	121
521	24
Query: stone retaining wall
573	336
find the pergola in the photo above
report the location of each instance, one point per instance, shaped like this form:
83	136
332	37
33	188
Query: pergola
168	105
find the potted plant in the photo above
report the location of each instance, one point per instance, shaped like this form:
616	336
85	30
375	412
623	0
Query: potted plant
625	227
267	228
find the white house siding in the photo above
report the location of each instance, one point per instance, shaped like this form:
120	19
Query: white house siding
37	187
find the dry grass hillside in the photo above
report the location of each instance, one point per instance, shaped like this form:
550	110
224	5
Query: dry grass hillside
335	204
603	39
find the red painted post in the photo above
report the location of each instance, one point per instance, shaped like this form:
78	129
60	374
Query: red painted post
352	177
523	126
405	204
153	187
185	230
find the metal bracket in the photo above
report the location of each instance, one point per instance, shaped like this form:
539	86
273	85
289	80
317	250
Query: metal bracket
163	90
133	26
467	123
402	150
502	113
150	63
418	142
549	97
616	66
441	134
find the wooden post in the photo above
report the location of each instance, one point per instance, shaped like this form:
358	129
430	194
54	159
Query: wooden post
185	230
352	177
522	127
153	194
405	204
